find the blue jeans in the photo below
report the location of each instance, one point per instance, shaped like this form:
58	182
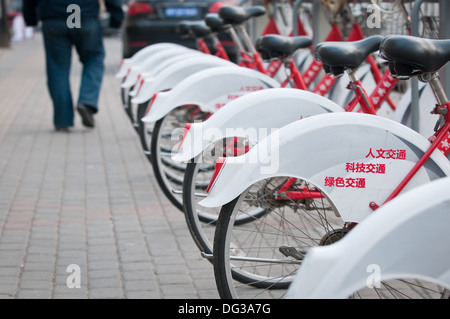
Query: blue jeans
88	42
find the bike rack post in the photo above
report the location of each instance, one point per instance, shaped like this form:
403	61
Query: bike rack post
414	80
444	32
297	5
316	5
444	8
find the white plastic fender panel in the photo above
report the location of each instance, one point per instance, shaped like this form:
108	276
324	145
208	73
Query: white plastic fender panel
154	73
210	89
176	72
254	116
141	55
151	62
353	158
406	238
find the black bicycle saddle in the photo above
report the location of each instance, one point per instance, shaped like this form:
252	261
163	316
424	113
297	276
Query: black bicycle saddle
214	22
238	15
278	46
410	56
200	29
338	56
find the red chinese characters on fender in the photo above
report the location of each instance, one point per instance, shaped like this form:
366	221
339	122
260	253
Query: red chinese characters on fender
387	154
345	182
365	168
242	91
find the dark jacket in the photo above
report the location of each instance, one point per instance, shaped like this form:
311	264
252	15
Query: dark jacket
35	10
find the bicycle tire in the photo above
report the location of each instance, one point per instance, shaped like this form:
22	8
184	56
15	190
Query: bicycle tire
163	177
202	221
126	103
403	288
133	114
168	173
264	272
144	129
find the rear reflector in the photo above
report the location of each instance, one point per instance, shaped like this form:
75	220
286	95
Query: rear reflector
150	103
219	164
187	127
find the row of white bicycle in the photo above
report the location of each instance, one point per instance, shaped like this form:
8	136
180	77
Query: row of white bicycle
294	186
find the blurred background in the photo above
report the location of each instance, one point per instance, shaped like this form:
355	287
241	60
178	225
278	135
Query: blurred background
153	21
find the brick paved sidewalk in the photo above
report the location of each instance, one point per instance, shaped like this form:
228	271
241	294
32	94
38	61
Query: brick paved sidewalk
87	198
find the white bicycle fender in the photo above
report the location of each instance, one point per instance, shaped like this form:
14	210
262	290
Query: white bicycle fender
154	74
176	72
141	55
210	89
150	63
355	159
247	116
406	238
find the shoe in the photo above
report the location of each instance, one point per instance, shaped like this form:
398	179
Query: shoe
62	129
87	115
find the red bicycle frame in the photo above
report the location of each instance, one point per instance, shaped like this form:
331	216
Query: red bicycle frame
441	135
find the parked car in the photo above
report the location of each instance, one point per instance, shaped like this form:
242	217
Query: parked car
154	21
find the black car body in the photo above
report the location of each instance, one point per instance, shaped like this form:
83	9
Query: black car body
154	21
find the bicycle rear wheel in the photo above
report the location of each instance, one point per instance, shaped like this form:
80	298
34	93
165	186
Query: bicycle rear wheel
126	103
406	288
260	258
166	135
144	129
201	221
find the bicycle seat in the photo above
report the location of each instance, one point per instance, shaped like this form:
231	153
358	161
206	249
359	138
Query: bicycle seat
214	22
238	15
278	46
410	56
184	28
200	29
338	56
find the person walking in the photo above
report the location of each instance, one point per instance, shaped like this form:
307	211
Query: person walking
67	24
